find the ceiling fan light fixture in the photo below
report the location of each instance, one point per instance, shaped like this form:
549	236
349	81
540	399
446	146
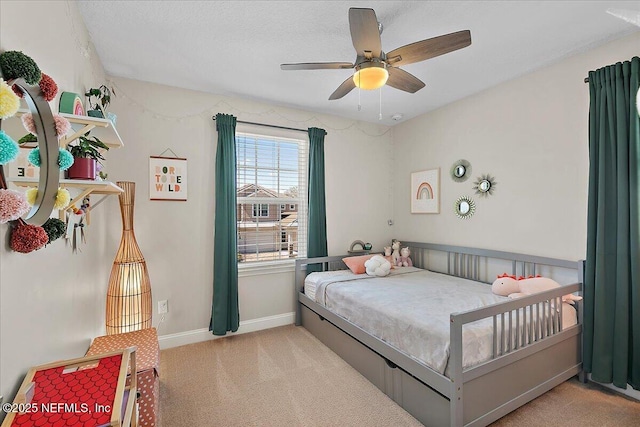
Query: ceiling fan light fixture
370	75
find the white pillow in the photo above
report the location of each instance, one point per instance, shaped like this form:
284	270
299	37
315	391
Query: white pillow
377	265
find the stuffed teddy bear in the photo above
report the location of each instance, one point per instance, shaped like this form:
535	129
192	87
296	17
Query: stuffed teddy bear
404	260
513	287
377	266
395	256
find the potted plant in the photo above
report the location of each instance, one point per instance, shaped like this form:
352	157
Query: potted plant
86	155
99	100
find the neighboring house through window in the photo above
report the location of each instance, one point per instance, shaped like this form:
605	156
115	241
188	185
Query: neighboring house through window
271	197
261	210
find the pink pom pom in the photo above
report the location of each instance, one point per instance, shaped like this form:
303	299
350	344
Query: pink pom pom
28	123
26	238
13	205
62	126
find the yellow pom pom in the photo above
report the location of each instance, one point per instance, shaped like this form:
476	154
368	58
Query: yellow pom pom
62	199
9	101
31	194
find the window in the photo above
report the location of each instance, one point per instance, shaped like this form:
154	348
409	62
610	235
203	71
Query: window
261	209
271	177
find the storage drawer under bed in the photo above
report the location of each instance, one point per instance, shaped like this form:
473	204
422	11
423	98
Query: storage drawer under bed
421	401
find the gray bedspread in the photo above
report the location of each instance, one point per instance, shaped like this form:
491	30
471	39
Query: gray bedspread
410	309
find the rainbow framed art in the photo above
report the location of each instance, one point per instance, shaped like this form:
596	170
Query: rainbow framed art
425	191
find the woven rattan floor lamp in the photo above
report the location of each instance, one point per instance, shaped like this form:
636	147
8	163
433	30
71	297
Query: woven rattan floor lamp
129	293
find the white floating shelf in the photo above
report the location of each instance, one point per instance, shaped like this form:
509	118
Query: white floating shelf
86	187
97	187
101	128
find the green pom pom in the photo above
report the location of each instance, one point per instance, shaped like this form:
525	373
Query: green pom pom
28	138
15	65
8	148
65	159
34	157
54	228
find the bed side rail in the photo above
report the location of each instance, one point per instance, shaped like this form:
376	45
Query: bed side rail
517	324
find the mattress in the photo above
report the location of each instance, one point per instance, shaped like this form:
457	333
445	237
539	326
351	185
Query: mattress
410	310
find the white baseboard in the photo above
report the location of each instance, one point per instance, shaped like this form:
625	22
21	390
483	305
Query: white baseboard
634	394
199	335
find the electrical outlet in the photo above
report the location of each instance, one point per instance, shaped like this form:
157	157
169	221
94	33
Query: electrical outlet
163	306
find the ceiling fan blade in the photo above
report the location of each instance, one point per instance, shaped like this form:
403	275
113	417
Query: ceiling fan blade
402	80
429	48
346	87
365	32
317	66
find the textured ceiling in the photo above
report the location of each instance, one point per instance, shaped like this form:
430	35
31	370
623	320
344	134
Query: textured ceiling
235	48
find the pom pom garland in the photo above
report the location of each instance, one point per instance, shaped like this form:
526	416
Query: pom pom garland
13	205
15	64
8	148
62	199
34	157
27	238
65	159
9	101
54	228
31	194
48	87
28	123
62	125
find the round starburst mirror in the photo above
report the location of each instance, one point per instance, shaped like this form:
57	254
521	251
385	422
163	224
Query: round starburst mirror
465	207
460	170
485	185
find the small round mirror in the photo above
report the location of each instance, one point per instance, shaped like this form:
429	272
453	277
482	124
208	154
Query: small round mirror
460	170
465	207
484	185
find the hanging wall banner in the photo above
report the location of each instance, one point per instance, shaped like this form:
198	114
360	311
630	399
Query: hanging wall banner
167	178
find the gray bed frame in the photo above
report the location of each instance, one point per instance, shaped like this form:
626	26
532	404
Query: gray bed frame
526	362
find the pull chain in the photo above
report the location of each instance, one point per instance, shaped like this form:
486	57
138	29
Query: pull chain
359	104
380	111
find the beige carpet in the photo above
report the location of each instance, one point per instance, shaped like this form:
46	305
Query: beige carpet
286	377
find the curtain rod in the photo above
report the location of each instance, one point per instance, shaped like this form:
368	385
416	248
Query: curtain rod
269	126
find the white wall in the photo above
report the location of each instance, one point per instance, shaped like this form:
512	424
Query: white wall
531	134
51	301
176	238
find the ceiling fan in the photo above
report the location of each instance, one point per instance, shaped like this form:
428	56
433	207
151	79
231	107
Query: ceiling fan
375	68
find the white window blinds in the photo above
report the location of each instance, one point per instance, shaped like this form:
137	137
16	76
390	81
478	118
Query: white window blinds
271	197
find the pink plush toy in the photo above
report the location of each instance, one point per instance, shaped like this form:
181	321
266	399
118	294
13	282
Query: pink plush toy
513	287
404	260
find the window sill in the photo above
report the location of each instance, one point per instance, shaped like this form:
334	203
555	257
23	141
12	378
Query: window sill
262	268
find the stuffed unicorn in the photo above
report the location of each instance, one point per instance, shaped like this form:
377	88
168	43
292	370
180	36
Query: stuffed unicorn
513	287
404	260
395	256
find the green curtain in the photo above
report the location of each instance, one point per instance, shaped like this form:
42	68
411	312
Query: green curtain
612	271
317	234
224	313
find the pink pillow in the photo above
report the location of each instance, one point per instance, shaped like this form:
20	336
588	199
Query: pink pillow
356	263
